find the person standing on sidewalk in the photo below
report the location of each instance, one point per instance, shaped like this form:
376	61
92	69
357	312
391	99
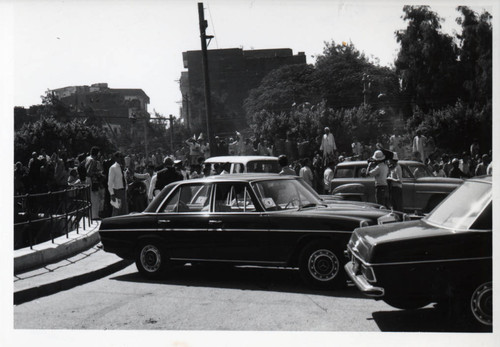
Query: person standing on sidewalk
117	185
94	178
378	169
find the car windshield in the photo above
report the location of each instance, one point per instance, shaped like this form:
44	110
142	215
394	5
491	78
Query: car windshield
268	166
463	207
277	195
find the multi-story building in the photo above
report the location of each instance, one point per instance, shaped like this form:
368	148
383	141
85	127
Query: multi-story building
232	73
116	108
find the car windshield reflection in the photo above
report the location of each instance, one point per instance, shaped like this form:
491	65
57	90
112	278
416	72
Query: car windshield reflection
277	195
463	207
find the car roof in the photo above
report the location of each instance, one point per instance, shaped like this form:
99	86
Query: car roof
241	177
364	163
239	159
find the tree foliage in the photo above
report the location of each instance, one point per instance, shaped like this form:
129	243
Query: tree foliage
307	121
475	55
427	60
455	127
70	137
280	89
344	77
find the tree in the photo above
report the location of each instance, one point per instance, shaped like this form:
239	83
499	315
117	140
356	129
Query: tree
71	138
279	90
454	127
475	54
426	62
345	78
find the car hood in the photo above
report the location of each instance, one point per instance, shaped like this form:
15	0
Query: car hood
417	241
370	215
336	201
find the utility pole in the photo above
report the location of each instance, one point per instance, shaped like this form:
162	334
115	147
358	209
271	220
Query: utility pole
171	119
208	107
145	135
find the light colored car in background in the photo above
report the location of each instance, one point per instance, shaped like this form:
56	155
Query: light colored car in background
247	163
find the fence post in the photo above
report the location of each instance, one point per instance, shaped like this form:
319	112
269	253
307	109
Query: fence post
28	206
90	204
50	204
66	211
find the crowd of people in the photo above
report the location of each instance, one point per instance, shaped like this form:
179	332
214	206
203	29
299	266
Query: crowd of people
125	182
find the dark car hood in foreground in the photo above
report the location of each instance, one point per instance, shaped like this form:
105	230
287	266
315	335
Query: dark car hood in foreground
418	241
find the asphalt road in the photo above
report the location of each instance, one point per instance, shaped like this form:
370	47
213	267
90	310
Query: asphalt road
223	299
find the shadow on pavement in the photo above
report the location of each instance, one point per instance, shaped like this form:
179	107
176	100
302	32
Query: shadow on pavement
242	277
427	319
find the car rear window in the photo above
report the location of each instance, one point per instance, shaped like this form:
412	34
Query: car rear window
263	166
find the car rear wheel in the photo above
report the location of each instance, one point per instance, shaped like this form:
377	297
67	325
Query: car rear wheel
320	265
151	260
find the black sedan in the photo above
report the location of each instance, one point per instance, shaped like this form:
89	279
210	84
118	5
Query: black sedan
245	219
445	257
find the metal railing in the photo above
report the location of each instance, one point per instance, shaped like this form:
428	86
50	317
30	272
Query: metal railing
46	216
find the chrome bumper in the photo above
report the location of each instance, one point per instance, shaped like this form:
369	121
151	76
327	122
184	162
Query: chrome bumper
362	284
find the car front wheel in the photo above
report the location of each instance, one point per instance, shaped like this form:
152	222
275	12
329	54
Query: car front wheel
320	265
151	260
481	304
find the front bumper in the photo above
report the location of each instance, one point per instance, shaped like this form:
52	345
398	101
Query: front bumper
362	284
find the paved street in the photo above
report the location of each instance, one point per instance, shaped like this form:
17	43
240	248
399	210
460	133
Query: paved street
217	298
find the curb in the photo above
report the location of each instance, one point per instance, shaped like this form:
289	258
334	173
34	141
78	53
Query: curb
30	294
48	252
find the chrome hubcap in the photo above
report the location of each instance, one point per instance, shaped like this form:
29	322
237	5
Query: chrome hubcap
482	303
150	258
323	265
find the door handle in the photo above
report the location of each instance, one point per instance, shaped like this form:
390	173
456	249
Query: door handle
164	221
214	221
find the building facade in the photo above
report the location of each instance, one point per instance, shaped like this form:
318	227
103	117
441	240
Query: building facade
114	108
232	73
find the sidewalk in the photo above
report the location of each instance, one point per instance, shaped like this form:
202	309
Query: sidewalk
68	262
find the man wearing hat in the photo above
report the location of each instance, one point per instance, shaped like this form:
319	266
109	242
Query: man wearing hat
166	175
455	171
395	183
378	169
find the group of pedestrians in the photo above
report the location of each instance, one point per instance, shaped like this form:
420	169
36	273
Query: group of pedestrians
124	183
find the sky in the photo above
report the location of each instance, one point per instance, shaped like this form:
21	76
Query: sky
139	44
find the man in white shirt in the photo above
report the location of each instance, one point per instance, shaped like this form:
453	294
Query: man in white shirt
328	177
117	185
418	145
306	172
328	146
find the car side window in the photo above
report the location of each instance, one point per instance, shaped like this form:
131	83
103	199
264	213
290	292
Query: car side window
361	171
344	172
238	168
188	198
406	172
233	197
